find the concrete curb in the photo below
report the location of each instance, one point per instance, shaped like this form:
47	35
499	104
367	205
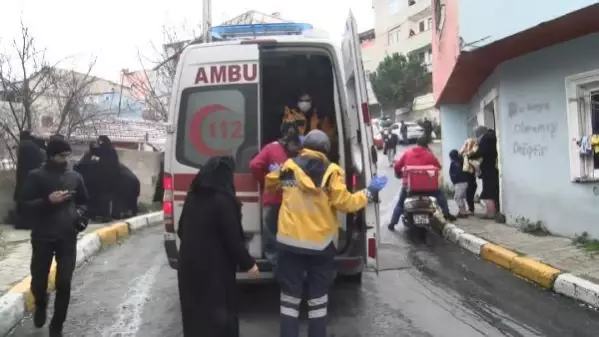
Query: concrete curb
530	269
15	304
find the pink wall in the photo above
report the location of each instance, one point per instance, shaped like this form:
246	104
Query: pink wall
446	46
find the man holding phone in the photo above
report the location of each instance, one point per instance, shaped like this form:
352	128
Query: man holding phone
56	198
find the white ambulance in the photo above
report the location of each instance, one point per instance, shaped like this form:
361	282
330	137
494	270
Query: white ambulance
228	99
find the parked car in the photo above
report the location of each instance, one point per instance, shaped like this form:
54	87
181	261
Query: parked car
385	122
378	137
414	131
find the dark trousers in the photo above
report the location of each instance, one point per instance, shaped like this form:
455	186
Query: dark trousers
470	193
270	218
299	271
403	194
65	252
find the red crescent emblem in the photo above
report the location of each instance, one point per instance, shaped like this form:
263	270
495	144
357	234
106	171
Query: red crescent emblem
196	124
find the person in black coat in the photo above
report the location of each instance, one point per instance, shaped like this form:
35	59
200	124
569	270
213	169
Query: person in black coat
489	174
391	143
109	177
30	156
159	188
212	247
89	168
56	199
125	202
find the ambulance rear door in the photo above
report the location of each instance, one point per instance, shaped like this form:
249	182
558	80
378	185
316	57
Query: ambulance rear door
217	114
363	151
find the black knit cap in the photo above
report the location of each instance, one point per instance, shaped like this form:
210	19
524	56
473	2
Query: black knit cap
56	146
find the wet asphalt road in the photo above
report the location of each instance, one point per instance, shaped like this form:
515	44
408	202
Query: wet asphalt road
433	290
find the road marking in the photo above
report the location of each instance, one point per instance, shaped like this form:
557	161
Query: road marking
128	321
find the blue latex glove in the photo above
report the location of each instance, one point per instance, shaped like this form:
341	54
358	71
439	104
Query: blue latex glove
377	183
273	167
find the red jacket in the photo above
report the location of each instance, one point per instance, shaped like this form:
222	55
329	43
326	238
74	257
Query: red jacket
416	156
273	153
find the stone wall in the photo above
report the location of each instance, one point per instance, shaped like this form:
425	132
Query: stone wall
7	187
146	166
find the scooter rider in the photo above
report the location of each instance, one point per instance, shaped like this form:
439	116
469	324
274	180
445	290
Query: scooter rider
313	191
420	155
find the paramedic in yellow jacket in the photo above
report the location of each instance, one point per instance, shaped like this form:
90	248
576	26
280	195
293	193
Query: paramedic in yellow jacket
306	118
313	191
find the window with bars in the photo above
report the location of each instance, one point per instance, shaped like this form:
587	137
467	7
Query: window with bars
582	92
594	108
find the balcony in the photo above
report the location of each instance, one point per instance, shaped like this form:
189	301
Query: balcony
418	10
419	41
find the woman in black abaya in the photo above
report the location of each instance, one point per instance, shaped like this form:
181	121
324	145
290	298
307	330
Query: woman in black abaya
212	247
108	179
90	170
487	150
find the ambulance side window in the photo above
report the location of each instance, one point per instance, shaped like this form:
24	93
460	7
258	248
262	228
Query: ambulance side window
218	121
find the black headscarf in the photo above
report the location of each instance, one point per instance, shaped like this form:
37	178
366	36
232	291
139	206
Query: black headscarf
216	176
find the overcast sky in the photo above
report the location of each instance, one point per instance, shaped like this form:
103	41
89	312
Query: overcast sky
113	30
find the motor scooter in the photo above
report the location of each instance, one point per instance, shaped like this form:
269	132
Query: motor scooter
421	212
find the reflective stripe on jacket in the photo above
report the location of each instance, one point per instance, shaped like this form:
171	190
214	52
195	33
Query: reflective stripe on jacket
313	191
298	118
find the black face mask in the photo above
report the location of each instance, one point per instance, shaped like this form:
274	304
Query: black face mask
58	166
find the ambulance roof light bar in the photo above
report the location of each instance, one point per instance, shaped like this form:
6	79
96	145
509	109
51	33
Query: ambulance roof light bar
259	30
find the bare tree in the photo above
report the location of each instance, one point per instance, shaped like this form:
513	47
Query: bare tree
72	94
152	85
24	74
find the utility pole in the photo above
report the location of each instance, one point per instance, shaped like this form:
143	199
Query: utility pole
123	73
206	21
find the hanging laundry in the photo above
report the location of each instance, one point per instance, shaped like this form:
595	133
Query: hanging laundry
586	149
595	143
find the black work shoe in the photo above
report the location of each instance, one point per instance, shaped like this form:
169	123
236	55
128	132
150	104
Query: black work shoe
39	317
55	332
391	227
450	217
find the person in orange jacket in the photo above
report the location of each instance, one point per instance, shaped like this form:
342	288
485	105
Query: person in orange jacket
306	118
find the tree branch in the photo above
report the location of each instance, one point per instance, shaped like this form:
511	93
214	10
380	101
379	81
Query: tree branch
156	92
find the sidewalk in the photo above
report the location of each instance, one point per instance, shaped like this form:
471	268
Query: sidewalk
18	299
572	263
14	261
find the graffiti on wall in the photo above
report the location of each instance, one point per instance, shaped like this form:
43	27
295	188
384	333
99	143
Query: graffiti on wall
529	121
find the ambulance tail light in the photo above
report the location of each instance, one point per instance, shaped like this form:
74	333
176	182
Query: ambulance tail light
167	203
372	247
366	113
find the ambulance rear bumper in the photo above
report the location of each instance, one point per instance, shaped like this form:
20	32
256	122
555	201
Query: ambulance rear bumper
345	265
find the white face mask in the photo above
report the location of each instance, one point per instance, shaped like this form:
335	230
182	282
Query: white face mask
304	106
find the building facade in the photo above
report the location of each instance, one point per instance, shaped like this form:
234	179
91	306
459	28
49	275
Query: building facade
423	107
534	79
368	48
403	26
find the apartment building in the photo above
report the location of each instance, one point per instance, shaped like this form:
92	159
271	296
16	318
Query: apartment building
403	26
368	47
534	79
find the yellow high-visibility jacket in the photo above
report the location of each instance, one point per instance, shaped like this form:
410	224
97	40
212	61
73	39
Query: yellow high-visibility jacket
313	191
298	118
